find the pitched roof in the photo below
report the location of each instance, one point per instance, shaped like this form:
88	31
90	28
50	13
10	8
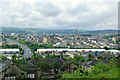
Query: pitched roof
4	65
92	63
49	60
28	67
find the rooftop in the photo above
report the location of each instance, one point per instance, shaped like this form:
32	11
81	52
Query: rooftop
9	50
4	65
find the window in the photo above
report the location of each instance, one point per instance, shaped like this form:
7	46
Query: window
28	75
31	75
10	78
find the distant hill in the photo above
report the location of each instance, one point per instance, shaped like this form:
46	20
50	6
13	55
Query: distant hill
38	31
103	31
12	29
41	31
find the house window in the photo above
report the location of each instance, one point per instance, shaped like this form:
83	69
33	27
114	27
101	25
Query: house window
28	75
31	75
10	77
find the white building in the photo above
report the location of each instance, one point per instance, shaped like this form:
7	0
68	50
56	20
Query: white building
12	34
59	44
9	52
115	52
72	50
72	54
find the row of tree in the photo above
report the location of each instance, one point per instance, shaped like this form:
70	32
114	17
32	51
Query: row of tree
35	46
13	46
45	66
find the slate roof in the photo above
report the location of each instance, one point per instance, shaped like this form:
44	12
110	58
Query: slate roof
92	63
86	59
88	63
49	60
107	55
4	65
29	66
105	60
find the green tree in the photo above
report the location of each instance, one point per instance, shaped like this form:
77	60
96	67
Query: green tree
14	57
38	55
90	57
44	66
77	59
49	45
53	56
27	59
55	65
65	66
3	58
99	68
105	47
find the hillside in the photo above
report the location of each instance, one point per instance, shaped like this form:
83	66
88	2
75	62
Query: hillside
50	31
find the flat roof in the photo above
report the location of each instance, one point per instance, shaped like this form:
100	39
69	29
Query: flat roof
9	50
86	50
114	51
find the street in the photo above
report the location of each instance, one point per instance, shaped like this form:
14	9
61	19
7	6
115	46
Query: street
27	51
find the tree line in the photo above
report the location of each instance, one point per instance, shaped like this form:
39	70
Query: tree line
13	46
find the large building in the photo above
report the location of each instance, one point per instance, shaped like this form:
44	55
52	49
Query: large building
9	52
47	40
72	50
113	39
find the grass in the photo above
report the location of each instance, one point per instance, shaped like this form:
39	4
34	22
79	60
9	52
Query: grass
112	73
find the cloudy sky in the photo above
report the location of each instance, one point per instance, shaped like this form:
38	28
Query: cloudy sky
59	14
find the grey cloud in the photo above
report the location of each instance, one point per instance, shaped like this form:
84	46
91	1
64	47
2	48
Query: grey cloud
80	9
49	15
47	9
92	19
18	10
11	11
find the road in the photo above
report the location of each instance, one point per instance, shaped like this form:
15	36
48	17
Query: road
27	51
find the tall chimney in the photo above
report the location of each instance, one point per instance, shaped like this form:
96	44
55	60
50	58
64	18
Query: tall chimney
76	34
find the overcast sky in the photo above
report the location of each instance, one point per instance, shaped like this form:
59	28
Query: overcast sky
60	14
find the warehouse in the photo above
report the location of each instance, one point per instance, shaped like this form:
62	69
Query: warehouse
72	50
9	52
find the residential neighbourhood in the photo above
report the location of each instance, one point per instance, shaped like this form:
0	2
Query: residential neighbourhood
59	39
54	56
71	40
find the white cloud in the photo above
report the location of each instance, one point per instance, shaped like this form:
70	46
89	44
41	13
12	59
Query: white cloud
63	14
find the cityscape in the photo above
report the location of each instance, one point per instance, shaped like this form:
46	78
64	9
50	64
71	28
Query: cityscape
54	52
